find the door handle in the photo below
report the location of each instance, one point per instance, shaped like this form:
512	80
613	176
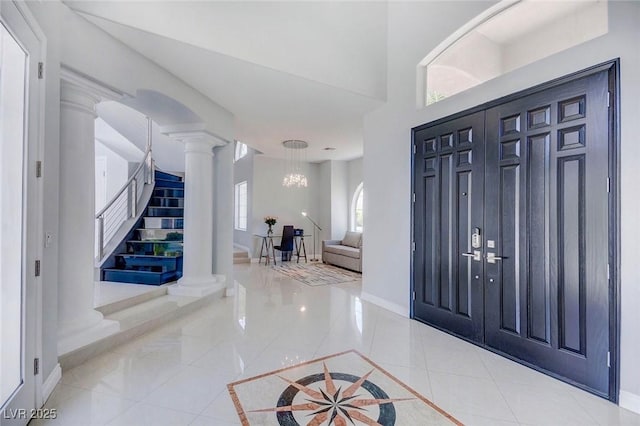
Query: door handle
491	257
476	255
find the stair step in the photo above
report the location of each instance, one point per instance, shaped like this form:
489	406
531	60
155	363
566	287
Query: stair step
156	248
163	184
165	211
166	202
160	234
168	192
167	176
150	263
159	222
240	254
237	260
140	277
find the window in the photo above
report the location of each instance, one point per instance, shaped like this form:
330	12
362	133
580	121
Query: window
241	206
241	150
357	223
505	37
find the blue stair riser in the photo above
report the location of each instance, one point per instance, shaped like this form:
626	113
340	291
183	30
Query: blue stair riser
149	263
169	184
166	202
167	176
165	211
140	277
161	234
164	222
155	248
168	192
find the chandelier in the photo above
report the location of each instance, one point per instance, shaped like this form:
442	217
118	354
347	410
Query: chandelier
293	176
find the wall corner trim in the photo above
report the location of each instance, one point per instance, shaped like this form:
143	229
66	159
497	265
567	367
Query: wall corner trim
630	401
50	383
393	307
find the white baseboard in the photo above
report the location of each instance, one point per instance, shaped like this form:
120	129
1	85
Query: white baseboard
49	385
393	307
630	401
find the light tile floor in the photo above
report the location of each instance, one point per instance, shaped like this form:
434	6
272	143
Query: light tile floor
177	374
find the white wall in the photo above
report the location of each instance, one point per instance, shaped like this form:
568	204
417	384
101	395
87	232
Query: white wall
270	198
387	152
117	171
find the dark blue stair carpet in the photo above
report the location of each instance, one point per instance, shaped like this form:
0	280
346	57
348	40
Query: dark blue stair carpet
157	259
148	263
164	222
165	211
167	176
166	202
140	277
168	192
161	183
155	248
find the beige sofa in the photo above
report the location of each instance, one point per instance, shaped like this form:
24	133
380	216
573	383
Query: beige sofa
346	253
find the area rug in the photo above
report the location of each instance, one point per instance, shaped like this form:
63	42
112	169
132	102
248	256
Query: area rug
342	389
317	274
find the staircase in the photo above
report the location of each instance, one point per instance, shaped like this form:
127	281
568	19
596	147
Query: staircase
153	254
240	256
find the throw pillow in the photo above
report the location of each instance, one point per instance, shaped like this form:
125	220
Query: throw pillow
352	239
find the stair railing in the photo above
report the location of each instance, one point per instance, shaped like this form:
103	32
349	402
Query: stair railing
124	205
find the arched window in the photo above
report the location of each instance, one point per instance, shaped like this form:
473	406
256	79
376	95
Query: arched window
506	36
357	223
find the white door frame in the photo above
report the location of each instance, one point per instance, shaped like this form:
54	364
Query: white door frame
22	25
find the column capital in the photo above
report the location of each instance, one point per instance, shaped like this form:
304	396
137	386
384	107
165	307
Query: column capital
82	93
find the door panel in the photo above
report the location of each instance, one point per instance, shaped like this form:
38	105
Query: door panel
448	185
532	175
546	300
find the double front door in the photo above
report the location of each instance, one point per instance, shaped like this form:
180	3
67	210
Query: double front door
511	228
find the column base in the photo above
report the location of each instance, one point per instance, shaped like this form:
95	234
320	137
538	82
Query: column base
230	292
69	342
197	286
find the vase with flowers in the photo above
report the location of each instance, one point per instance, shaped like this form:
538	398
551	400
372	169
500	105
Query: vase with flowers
270	221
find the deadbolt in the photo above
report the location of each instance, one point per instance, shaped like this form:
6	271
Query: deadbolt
476	240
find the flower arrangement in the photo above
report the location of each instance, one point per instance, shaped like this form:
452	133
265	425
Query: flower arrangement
270	221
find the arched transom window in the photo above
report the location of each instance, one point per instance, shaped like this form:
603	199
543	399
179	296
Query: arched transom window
507	36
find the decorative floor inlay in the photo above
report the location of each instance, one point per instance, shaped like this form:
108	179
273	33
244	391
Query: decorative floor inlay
341	389
317	274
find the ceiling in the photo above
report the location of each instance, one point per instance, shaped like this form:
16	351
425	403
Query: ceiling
286	70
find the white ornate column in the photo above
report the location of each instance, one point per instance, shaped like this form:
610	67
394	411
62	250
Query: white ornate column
197	277
78	323
223	218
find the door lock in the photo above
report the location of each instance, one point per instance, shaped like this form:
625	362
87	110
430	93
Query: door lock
491	257
476	240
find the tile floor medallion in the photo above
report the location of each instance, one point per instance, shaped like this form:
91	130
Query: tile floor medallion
317	274
341	389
